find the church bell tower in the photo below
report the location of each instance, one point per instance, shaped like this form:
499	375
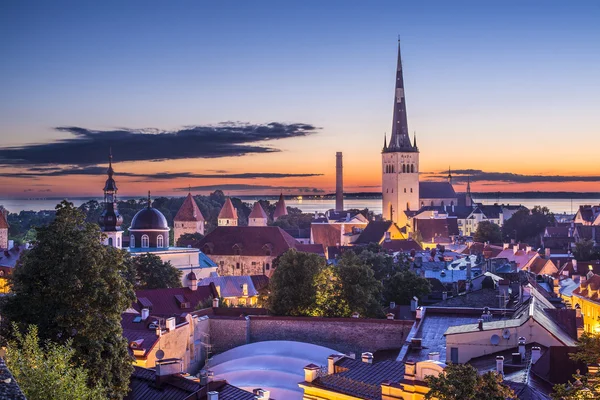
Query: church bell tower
400	161
110	220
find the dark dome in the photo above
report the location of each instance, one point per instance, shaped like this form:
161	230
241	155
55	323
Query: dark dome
149	218
192	276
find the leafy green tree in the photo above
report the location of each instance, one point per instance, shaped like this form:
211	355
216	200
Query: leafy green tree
383	264
360	289
47	372
148	271
583	386
293	291
463	382
329	300
403	286
585	250
73	288
294	221
527	226
488	231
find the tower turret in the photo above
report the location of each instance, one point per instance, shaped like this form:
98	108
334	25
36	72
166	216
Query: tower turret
110	220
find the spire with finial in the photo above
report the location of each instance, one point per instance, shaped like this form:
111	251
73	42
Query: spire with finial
149	200
415	139
384	141
449	175
400	141
110	170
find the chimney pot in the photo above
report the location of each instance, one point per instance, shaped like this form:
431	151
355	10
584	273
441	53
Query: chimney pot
355	315
171	324
213	395
480	324
500	365
434	356
145	314
215	302
367	358
536	353
390	315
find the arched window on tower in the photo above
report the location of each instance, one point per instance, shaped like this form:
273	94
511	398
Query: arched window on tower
145	241
412	167
160	241
132	241
403	167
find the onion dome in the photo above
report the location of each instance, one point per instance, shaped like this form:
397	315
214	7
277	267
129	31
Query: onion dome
192	276
149	218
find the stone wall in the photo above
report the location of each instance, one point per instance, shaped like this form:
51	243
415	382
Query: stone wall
342	334
248	265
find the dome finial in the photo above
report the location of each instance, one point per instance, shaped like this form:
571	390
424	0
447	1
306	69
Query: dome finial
110	168
149	201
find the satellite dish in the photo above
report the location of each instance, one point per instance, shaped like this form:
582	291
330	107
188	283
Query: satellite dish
161	354
506	334
495	340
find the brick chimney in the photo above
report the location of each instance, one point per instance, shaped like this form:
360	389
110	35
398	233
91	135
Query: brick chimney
367	358
311	372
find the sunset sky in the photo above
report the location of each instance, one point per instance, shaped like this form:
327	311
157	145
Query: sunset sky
257	97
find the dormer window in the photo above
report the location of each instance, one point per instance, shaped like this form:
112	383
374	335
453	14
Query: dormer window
237	250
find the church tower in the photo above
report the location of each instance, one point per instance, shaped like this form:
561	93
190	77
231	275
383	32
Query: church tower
400	162
110	220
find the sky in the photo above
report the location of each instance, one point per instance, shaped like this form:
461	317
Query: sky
257	97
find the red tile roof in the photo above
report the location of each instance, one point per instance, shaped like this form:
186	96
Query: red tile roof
189	210
280	208
228	211
540	265
590	289
258	212
436	228
164	303
311	248
250	240
326	234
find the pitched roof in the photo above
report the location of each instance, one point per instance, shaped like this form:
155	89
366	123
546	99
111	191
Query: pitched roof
143	387
260	281
487	250
436	228
374	232
231	286
589	232
228	211
167	302
590	289
280	208
9	258
401	245
360	379
316	248
540	265
189	210
3	221
258	211
436	190
9	389
248	240
326	234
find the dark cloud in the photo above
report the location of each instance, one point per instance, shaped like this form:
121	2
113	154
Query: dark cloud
88	147
97	170
476	175
245	187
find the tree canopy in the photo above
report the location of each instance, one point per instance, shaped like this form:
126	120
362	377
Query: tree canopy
47	372
527	226
463	382
359	287
73	288
148	271
583	386
586	250
403	286
488	231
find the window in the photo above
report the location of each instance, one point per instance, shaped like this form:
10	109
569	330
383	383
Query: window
160	242
237	265
118	242
253	263
221	263
267	266
411	190
145	241
403	167
404	190
132	241
110	241
412	167
268	252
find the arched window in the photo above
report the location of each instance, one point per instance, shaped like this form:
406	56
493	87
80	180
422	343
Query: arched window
118	242
145	241
160	242
403	167
411	190
110	241
404	190
412	167
132	241
268	266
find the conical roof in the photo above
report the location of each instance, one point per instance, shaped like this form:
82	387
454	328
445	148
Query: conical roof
3	221
228	211
280	208
258	212
189	210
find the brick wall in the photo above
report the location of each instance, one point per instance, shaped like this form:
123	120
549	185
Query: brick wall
342	334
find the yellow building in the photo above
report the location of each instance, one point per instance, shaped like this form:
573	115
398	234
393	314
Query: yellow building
586	298
349	379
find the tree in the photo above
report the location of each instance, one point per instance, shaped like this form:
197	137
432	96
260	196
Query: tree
360	290
383	264
527	226
148	271
488	231
192	239
47	372
463	382
584	386
292	284
329	300
586	251
73	288
403	286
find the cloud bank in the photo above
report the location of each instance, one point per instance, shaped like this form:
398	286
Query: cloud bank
89	147
477	175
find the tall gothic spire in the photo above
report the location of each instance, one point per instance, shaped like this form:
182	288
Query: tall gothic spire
400	141
384	142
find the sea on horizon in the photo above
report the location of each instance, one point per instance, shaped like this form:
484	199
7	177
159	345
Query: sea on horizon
557	205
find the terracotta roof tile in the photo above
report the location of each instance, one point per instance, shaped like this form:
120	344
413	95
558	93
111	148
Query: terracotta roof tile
163	302
326	234
228	211
250	240
3	221
401	245
189	210
374	232
280	208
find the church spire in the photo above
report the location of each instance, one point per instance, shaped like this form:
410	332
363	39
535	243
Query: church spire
400	141
384	141
449	175
415	137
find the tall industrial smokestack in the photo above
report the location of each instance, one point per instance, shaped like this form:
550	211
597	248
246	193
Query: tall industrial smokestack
339	182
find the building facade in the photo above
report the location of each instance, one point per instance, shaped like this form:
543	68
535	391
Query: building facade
189	219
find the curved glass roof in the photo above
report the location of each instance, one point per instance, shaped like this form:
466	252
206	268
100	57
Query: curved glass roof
277	366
